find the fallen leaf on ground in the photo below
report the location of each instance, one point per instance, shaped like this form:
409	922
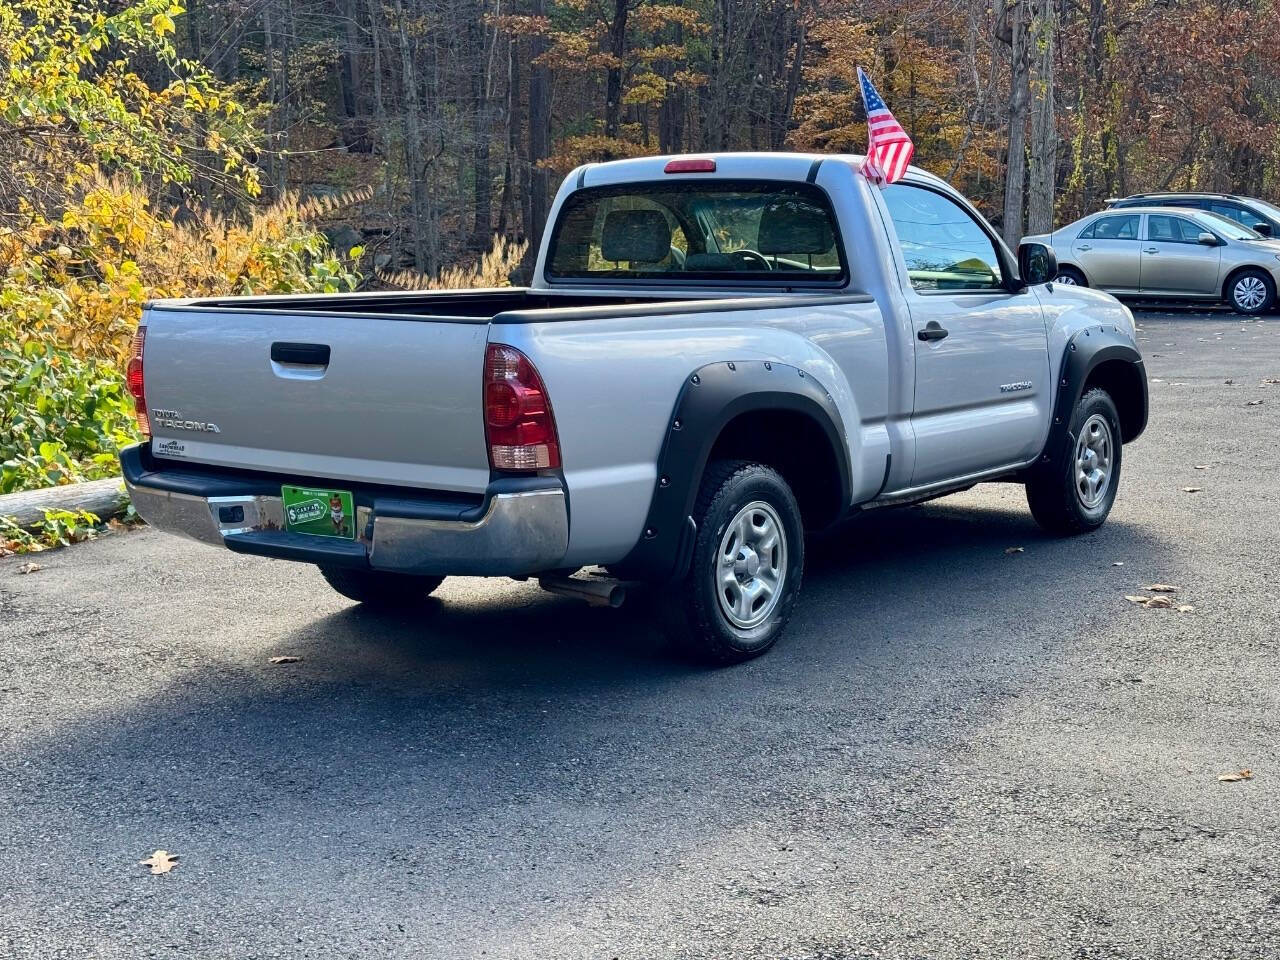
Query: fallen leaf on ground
160	862
1138	600
286	659
1201	466
1185	608
1118	563
1161	588
1268	381
1235	777
1255	403
1015	550
1159	603
30	568
1192	489
1228	382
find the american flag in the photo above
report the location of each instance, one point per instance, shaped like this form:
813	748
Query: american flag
889	149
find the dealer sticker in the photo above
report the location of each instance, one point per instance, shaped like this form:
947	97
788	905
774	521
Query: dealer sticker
319	513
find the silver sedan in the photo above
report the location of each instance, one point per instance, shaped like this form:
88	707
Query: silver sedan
1169	252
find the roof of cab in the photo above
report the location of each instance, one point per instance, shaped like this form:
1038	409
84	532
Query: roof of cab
729	166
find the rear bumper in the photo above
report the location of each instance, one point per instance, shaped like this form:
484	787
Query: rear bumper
519	527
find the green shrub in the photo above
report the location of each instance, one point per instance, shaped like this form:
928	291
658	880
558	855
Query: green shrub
62	417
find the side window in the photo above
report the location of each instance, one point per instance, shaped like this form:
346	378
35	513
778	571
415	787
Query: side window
1162	228
1237	213
944	247
1190	231
1172	229
1117	228
1087	232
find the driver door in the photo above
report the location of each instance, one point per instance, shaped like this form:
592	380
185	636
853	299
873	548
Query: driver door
982	389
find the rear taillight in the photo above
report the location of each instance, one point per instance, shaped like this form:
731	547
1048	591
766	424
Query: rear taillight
518	423
137	382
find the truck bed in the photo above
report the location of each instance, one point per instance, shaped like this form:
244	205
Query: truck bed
477	306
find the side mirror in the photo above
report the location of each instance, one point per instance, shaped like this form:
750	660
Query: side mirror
1208	239
1264	228
1037	263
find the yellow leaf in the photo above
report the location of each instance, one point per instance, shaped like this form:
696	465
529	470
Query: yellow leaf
162	23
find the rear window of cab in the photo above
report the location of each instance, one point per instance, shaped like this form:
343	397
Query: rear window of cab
698	230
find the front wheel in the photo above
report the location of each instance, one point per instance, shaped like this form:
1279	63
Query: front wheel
747	565
378	589
1074	490
1071	277
1251	292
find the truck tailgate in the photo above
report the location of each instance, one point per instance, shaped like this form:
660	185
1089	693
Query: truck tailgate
367	399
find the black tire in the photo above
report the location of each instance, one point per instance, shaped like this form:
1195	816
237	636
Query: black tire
1070	275
378	589
1060	500
1244	285
697	620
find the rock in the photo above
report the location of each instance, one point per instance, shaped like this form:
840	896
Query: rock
342	238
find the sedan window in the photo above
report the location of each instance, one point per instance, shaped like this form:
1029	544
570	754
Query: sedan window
1173	229
1113	228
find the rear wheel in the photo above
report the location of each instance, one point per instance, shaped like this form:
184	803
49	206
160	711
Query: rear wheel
379	589
747	565
1075	489
1251	292
1071	277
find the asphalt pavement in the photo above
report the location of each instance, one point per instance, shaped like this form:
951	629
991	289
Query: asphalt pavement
957	751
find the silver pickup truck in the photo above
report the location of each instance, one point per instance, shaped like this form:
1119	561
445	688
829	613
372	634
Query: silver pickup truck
716	355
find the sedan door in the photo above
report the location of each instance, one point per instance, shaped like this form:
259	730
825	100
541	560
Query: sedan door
1109	252
1174	261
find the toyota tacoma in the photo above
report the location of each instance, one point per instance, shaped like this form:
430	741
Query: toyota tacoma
716	355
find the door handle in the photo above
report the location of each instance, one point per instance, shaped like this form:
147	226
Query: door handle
312	354
1086	246
933	331
1151	250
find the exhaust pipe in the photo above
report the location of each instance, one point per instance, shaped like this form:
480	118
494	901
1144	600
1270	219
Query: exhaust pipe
598	593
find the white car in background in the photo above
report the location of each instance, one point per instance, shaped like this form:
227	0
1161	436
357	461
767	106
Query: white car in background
1169	252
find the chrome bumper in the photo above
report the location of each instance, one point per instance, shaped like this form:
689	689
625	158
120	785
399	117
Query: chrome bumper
519	533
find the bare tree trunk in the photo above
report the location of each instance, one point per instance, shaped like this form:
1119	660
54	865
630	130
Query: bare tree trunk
1044	135
613	80
414	165
482	175
380	105
539	140
782	122
355	132
1012	25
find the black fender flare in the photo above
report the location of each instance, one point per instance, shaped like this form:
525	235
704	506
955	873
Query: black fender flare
1088	349
712	396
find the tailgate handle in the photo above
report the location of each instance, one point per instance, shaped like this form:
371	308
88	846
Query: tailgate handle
312	354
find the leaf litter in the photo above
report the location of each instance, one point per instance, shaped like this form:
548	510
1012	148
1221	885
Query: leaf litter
162	861
1235	777
1157	598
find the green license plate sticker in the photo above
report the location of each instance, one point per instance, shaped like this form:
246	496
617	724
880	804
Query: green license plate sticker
320	513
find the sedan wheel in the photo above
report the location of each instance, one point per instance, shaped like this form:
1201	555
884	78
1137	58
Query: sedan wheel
1252	292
